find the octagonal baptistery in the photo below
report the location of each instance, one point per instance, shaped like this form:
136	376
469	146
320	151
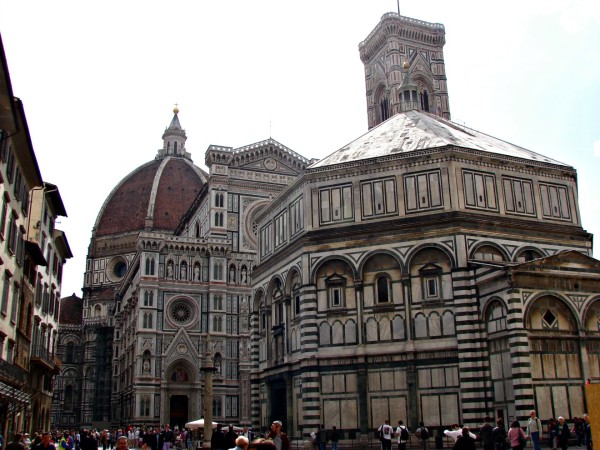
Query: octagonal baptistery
154	197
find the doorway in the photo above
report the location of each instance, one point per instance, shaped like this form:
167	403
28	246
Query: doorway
178	409
278	403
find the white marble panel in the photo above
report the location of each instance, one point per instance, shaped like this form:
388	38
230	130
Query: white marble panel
337	333
349	413
371	330
374	382
573	369
351	383
561	403
324	334
576	401
450	408
350	328
430	403
331	411
385	329
379	410
387	381
435	325
326	384
339	382
544	401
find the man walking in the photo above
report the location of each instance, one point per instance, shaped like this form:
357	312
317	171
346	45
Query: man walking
322	438
534	429
403	435
423	434
385	435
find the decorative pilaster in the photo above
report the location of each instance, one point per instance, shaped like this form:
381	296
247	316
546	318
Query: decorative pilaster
473	358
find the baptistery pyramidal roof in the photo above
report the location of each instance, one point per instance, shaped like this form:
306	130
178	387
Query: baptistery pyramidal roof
156	195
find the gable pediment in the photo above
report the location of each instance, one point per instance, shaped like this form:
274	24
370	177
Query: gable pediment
570	260
269	156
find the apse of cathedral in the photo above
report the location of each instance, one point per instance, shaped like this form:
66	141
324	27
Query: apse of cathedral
425	271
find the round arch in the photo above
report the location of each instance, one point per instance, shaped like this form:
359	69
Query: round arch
182	370
590	306
481	245
289	279
531	253
259	296
410	257
330	258
531	303
373	253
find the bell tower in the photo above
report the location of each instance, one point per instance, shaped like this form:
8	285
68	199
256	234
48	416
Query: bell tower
404	68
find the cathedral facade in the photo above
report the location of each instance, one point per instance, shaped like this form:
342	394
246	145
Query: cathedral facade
425	271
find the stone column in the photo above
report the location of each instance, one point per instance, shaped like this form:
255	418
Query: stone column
209	369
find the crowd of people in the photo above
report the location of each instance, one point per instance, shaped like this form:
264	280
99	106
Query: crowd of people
490	437
497	437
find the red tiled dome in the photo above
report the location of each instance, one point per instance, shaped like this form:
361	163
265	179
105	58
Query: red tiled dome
71	310
155	196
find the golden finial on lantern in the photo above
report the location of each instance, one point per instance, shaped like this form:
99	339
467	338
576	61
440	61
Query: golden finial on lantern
405	65
176	109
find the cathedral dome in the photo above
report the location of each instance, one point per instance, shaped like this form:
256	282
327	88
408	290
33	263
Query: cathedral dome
156	195
71	310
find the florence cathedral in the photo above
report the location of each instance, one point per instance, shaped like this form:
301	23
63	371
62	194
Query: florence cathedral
425	271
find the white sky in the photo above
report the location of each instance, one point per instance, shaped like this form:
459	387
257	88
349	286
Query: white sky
99	80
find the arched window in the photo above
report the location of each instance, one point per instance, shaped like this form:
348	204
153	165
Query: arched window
217	324
197	230
145	405
147	321
175	147
147	298
383	287
97	311
496	318
384	109
216	407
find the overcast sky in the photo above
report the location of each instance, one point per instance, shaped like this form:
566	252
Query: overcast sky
99	79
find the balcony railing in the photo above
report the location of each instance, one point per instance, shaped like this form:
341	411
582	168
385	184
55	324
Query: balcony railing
41	354
12	373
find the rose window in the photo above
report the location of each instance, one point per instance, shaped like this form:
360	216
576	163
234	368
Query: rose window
181	312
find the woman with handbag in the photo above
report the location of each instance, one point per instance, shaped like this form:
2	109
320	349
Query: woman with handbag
516	436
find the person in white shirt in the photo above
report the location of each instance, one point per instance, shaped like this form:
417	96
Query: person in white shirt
402	440
385	435
456	432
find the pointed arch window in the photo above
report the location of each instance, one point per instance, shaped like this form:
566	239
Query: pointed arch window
147	320
145	405
149	266
148	298
424	98
219	219
217	324
384	108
